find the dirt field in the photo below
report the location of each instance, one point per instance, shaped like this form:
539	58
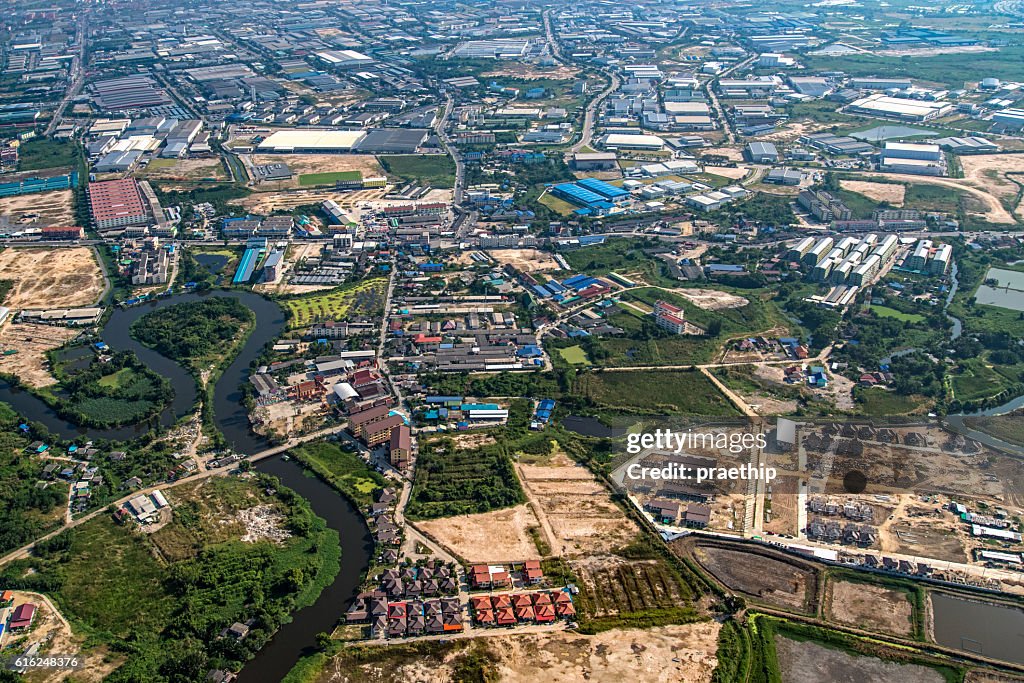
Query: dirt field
32	342
771	580
727	172
808	662
671	653
991	172
53	208
785	516
576	512
184	169
880	192
870	607
299	164
733	153
658	655
526	260
498	536
51	278
264	203
528	71
54	633
994	211
712	299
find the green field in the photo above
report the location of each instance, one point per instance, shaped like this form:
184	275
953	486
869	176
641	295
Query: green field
42	154
344	470
362	298
574	355
878	401
559	206
886	312
436	170
307	179
649	391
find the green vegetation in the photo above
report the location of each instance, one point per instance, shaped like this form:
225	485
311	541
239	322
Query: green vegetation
29	510
307	179
41	154
364	298
166	612
761	209
220	196
196	333
924	197
574	355
878	401
344	470
886	312
501	384
1009	428
108	393
450	480
649	391
436	170
625	256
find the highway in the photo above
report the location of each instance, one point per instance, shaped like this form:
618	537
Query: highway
76	76
588	115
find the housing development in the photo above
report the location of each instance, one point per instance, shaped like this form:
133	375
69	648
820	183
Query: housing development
511	341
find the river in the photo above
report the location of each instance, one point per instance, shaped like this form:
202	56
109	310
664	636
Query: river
296	638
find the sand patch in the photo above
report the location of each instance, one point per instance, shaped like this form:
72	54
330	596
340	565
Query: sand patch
880	192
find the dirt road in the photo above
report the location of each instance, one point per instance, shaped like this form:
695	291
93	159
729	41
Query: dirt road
995	212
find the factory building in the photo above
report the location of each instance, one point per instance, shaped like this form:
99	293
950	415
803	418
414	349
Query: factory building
116	204
640	142
898	108
907	150
762	152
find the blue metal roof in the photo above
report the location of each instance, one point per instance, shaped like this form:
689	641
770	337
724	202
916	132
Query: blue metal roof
602	188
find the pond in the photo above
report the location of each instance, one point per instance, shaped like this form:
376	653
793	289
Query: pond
981	627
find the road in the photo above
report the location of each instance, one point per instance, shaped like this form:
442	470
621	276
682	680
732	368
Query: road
730	134
440	128
588	115
76	75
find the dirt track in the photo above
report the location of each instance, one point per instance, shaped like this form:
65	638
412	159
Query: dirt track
995	211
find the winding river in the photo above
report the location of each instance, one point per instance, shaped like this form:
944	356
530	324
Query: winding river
298	637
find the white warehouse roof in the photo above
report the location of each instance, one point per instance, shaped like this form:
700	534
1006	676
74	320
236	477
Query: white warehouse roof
315	140
635	141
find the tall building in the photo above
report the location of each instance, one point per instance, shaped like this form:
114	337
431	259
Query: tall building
670	317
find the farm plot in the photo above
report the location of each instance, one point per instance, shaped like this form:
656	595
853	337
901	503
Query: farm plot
576	509
38	210
363	299
772	579
808	662
870	607
51	278
615	586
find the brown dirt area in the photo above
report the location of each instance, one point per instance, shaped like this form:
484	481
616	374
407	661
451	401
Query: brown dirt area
770	580
54	633
880	192
870	607
712	299
185	169
785	515
300	164
497	536
727	172
576	510
32	341
809	662
526	260
671	653
51	278
53	208
991	173
733	153
529	71
993	211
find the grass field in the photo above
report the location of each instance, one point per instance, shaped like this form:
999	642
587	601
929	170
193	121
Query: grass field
437	170
307	179
363	298
876	401
886	312
559	206
345	471
117	379
41	154
676	391
574	355
977	381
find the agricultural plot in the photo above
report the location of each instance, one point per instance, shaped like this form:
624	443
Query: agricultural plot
649	391
365	298
870	607
307	179
615	587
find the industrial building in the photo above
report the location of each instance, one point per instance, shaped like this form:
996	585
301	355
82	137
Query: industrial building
1009	118
898	108
116	204
762	152
594	161
639	142
311	141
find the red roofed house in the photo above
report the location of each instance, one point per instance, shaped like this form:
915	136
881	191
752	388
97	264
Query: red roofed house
56	232
23	615
506	617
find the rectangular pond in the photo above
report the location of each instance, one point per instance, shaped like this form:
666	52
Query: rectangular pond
984	628
1008	293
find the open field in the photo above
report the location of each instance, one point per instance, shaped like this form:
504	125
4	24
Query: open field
184	169
575	509
526	260
557	72
769	577
328	178
496	536
892	193
363	298
675	391
991	209
574	355
992	172
712	299
870	607
886	312
727	171
366	165
32	341
51	278
437	170
615	586
809	662
51	208
664	654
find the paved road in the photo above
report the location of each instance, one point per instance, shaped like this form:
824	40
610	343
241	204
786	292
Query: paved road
588	115
76	74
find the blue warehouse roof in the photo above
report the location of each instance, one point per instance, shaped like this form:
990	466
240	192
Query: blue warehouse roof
602	188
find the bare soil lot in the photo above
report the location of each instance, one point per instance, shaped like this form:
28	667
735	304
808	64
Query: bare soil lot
809	662
870	607
497	536
51	278
727	172
880	192
992	172
52	208
760	575
526	260
32	341
184	169
300	164
785	514
615	586
712	299
576	509
988	205
528	71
